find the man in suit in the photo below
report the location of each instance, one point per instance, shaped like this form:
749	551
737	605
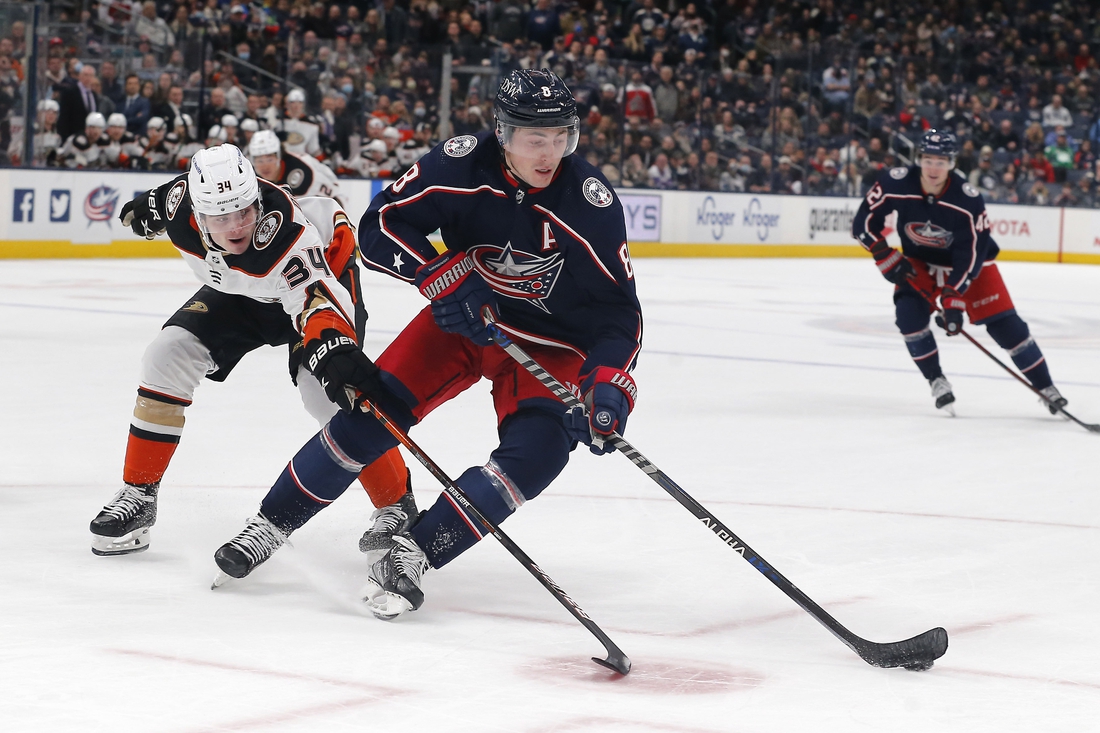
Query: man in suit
135	106
77	102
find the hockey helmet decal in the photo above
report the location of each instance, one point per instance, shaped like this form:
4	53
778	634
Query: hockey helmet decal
938	142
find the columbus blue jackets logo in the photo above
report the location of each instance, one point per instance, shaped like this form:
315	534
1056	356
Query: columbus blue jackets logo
596	193
100	204
517	274
927	234
461	146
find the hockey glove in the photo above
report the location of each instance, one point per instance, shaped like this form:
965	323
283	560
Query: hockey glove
340	366
140	218
891	263
458	293
609	396
953	308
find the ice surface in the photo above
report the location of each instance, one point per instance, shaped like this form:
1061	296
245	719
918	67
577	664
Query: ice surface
777	393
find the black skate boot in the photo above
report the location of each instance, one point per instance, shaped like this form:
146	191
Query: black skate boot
388	521
249	549
393	583
941	390
1054	400
123	525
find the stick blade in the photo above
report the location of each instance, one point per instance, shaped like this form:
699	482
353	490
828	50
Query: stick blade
915	654
615	662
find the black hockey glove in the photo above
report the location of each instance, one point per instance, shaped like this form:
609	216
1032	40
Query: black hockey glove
609	396
891	263
458	293
137	215
953	309
341	367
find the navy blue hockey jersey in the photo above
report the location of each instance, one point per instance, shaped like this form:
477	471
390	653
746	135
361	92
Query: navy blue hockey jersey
557	257
951	229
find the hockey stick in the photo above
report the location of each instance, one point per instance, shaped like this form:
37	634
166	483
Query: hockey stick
917	653
928	297
616	660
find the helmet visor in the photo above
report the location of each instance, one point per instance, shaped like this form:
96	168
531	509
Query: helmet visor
532	143
233	230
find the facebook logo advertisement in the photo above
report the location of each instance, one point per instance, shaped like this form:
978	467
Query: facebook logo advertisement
23	205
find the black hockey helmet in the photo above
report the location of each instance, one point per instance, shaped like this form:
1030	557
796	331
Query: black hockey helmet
535	98
939	142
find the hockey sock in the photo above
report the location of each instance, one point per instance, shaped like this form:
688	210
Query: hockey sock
386	480
534	449
1012	334
926	355
155	431
315	477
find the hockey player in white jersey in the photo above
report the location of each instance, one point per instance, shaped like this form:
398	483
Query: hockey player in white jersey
303	137
304	175
275	270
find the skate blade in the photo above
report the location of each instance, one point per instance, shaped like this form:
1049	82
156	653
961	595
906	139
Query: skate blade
949	409
127	544
221	579
385	606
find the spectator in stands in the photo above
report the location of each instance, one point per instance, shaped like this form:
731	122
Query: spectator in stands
837	87
1006	138
1055	113
983	177
660	173
543	24
1085	157
760	181
152	28
1060	156
109	84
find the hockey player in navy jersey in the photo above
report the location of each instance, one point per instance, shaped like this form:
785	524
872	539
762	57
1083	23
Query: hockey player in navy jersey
947	253
537	235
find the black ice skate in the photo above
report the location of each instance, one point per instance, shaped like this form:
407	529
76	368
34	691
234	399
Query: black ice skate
123	525
249	549
393	584
388	521
941	390
1054	400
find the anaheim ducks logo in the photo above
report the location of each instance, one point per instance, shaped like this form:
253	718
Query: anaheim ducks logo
175	196
461	146
196	306
267	229
517	274
295	138
927	234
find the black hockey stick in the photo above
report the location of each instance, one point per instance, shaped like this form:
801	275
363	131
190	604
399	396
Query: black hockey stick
917	653
616	660
928	296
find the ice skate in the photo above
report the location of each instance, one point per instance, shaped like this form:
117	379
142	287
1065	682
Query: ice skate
1054	401
252	547
123	525
393	584
941	390
388	521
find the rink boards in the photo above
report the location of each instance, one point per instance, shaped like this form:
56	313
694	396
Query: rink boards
52	213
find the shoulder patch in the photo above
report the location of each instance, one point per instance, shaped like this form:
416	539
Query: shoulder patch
461	146
293	137
267	229
970	190
899	173
175	196
294	178
597	193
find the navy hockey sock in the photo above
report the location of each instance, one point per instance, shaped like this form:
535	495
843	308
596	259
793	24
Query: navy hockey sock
316	476
912	317
1012	334
534	449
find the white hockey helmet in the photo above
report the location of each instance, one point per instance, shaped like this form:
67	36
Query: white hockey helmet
95	119
221	181
374	146
249	125
49	105
230	121
117	119
217	132
264	142
296	95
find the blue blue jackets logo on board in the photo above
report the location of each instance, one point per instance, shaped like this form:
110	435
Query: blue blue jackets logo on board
100	204
60	203
22	205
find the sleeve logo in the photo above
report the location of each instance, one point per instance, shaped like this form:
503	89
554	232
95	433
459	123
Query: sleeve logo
899	173
970	190
461	146
267	229
295	177
597	193
175	196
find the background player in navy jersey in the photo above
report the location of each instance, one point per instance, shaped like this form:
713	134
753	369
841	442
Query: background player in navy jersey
947	254
275	271
534	233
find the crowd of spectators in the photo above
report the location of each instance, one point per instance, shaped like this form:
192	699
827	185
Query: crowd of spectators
788	96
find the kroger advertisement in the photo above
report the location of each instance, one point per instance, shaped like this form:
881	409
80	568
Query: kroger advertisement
56	213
